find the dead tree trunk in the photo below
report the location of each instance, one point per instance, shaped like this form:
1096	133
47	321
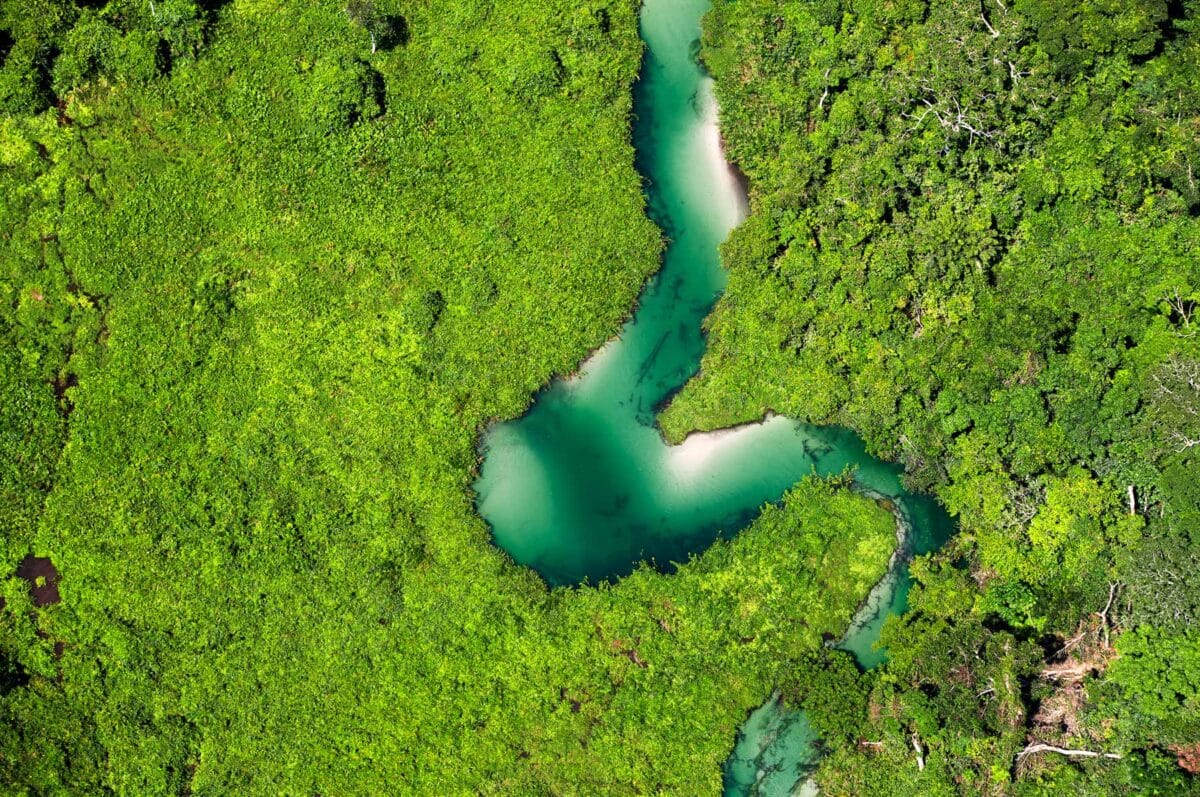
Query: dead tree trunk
916	743
1042	747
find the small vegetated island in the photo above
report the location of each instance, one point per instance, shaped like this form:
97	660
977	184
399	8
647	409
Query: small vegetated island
272	268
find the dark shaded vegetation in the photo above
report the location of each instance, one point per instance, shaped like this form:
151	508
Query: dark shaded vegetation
973	240
6	43
387	31
43	580
53	47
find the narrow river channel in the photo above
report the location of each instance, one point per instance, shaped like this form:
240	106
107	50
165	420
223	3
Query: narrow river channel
583	486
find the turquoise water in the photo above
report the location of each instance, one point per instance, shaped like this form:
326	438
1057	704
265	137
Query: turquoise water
583	487
774	754
776	749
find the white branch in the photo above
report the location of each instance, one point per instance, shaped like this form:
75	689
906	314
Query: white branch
1182	441
1113	587
1184	308
995	33
916	743
1040	747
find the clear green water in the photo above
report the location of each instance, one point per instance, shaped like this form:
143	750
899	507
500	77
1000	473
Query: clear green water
776	749
775	752
583	486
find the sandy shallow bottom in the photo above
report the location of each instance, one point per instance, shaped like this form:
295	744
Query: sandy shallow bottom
701	451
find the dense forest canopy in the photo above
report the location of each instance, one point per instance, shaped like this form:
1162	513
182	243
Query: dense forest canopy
269	267
975	240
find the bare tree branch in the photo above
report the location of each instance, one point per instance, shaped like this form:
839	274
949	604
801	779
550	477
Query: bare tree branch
1041	747
1114	588
1184	308
995	33
825	94
916	743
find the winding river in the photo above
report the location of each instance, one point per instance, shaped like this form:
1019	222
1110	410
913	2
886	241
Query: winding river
583	487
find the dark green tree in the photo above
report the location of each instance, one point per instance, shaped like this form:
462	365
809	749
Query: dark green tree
386	31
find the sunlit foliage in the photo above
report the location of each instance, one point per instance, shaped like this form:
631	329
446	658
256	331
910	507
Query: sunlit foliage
268	268
973	240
